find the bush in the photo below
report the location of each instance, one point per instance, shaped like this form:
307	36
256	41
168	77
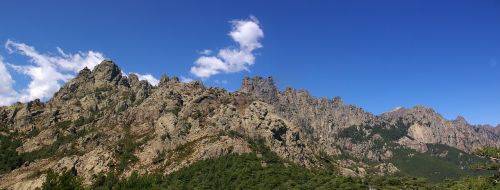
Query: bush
63	124
65	181
83	120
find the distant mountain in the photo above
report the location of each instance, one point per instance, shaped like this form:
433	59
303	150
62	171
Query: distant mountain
102	121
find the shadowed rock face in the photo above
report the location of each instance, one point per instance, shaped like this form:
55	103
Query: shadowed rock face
95	118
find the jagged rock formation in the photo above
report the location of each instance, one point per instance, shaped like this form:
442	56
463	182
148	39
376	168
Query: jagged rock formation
429	127
102	121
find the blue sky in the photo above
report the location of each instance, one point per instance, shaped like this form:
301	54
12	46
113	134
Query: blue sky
374	54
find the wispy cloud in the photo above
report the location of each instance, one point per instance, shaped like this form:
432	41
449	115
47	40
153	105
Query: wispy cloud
247	33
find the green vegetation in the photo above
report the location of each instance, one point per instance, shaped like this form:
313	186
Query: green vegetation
64	181
454	156
489	152
358	134
248	171
54	148
184	150
412	163
355	133
84	120
479	182
262	169
231	133
125	151
485	166
33	133
9	158
439	163
63	124
393	132
160	157
175	110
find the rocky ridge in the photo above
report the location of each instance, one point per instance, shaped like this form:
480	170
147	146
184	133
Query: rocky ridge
102	121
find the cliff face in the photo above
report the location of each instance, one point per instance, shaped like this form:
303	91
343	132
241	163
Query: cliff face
103	121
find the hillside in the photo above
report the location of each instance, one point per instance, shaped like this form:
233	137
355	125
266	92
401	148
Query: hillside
103	122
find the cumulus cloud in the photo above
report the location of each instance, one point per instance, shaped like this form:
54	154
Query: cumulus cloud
247	34
46	71
150	78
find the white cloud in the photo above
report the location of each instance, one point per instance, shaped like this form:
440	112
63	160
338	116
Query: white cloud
6	81
186	79
247	33
150	78
63	62
7	92
220	81
205	52
47	71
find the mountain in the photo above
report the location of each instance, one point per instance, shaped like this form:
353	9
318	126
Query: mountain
103	121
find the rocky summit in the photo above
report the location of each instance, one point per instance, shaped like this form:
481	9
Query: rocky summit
102	121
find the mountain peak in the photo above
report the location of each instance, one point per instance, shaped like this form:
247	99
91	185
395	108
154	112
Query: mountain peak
107	70
460	119
257	83
338	102
397	109
164	80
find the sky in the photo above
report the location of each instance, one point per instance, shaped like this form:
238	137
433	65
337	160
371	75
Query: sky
374	54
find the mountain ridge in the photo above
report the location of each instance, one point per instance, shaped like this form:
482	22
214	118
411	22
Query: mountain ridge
103	121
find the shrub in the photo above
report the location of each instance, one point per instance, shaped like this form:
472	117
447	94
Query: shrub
125	150
9	158
63	124
65	181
